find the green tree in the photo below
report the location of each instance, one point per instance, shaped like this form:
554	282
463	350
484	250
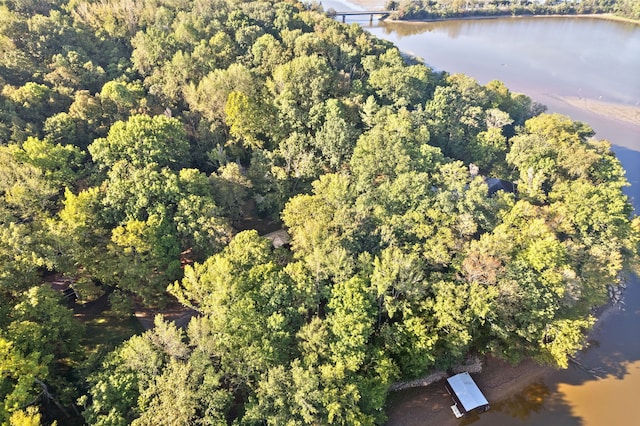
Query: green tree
287	396
398	283
297	86
34	102
461	312
19	375
351	319
396	83
147	256
28	417
396	146
79	236
39	340
245	118
563	338
268	53
62	129
336	138
25	191
142	140
75	69
231	190
134	193
210	95
161	376
60	164
320	227
250	305
456	114
120	99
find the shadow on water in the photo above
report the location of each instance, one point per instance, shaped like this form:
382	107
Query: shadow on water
523	404
630	159
616	334
576	396
430	406
558	397
420	406
535	404
562	397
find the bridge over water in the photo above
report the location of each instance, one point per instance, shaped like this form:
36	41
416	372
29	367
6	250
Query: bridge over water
382	13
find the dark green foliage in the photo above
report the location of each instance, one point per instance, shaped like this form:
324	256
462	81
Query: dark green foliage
158	378
139	139
38	344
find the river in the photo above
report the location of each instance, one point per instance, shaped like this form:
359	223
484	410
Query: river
588	69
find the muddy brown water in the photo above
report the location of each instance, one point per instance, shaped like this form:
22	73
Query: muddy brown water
593	61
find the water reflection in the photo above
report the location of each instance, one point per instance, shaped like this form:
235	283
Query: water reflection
585	58
536	398
618	335
474	27
629	156
452	29
521	405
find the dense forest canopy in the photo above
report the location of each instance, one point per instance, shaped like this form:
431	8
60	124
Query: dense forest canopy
143	145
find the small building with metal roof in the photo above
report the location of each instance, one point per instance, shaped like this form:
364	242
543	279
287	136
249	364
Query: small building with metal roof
466	395
278	238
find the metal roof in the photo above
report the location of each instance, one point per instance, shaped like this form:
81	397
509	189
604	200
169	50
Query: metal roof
278	238
467	391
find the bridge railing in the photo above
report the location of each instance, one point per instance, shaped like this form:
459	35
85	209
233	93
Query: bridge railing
382	13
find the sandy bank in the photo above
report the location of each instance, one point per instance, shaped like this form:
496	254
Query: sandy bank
506	387
627	113
430	405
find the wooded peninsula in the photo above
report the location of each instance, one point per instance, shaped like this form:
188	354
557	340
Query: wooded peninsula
457	9
147	145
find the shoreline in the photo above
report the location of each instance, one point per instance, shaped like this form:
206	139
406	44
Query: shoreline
603	16
500	381
380	5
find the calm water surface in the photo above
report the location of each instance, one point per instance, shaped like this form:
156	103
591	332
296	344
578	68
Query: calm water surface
554	60
567	56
